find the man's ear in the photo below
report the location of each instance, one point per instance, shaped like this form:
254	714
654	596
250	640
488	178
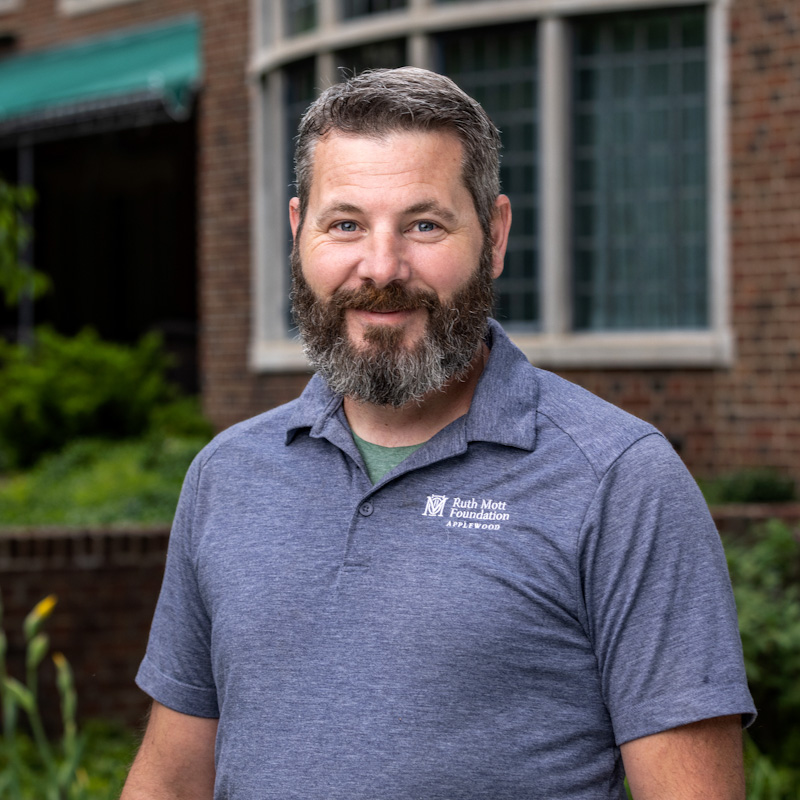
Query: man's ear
294	215
500	226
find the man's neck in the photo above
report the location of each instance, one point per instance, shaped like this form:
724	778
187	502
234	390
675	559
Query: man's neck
415	423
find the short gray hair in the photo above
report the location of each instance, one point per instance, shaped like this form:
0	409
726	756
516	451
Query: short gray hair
382	101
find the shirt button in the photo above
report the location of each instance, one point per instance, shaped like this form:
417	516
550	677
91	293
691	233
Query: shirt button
366	509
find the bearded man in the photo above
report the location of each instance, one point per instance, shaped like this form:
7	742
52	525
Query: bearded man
441	573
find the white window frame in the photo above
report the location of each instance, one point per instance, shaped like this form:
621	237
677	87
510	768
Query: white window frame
556	346
71	8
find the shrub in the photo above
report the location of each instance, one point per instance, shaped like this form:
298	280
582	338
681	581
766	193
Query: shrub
99	482
66	388
765	572
749	486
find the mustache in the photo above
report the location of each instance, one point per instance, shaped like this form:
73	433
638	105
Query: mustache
393	297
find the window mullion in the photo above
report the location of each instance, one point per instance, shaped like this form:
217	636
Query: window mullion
326	74
270	210
718	160
555	174
420	51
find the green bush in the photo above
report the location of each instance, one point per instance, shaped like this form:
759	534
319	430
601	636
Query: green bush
749	486
765	571
94	482
65	388
766	780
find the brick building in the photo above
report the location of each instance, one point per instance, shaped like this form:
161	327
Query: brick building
652	154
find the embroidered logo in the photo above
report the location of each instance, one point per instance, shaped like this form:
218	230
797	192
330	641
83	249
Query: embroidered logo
483	514
434	506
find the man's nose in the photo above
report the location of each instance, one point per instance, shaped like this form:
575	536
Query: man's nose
384	260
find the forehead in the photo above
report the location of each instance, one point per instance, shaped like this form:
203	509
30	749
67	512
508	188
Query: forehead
401	159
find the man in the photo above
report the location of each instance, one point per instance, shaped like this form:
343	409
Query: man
440	573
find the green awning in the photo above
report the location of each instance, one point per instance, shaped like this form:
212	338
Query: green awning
155	63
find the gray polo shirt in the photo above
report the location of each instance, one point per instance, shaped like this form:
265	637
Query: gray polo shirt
536	585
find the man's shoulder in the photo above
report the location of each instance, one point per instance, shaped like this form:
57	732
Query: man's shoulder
599	429
265	431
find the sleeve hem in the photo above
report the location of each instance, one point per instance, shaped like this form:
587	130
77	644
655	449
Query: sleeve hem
192	700
652	717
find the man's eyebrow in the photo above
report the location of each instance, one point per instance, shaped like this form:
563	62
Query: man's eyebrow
337	208
433	207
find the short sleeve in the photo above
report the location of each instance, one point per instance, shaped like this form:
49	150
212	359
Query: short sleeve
657	596
176	670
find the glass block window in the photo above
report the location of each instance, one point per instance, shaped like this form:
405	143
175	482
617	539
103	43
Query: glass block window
361	8
379	55
299	15
639	181
300	91
498	67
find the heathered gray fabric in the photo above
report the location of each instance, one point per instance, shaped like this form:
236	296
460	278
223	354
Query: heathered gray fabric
534	586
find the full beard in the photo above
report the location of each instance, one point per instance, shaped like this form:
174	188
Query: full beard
382	371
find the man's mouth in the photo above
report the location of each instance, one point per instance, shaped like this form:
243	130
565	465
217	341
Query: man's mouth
388	300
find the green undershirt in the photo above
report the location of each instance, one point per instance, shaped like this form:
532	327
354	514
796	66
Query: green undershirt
379	459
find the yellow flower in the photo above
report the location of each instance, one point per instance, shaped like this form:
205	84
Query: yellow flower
40	612
60	660
44	608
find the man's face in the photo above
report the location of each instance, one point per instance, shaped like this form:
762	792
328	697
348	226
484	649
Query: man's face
392	272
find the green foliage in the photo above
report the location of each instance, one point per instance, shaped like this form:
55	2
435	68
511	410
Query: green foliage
90	764
107	758
37	767
16	277
100	482
765	780
765	572
749	486
66	388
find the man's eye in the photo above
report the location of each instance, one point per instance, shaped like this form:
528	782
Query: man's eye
348	226
425	226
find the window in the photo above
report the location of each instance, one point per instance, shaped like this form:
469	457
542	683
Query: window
618	251
639	195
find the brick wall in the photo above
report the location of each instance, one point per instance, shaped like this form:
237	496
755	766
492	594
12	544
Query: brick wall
107	584
758	404
37	25
720	420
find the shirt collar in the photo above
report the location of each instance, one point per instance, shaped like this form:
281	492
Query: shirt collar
503	409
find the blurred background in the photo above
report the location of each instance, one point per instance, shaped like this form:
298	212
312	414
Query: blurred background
652	156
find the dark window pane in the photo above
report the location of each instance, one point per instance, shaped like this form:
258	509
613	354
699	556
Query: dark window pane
300	92
300	15
639	172
361	8
498	68
378	55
